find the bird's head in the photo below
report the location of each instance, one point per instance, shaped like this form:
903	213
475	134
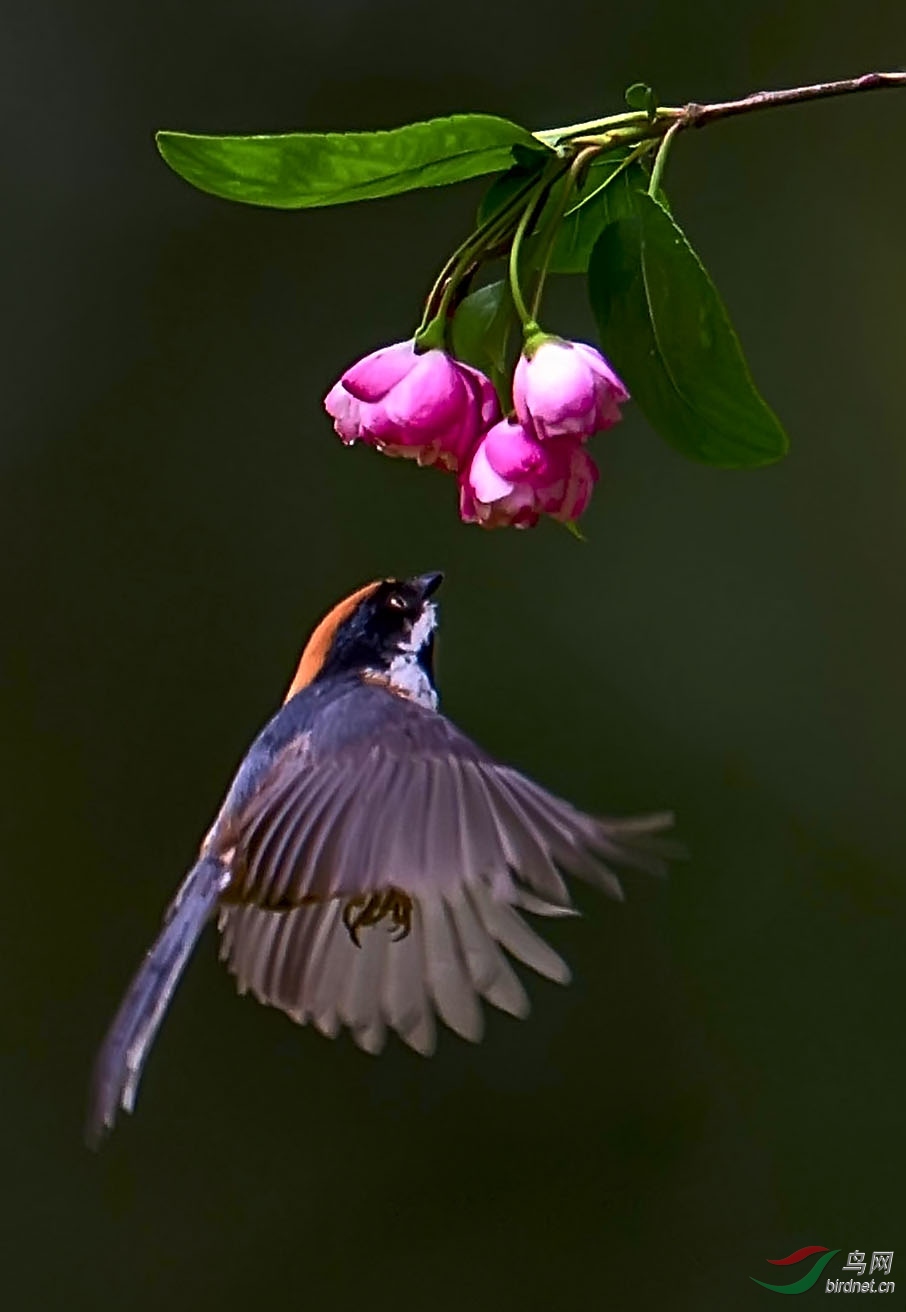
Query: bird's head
383	631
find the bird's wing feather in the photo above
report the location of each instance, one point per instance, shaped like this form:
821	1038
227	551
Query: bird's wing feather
304	962
377	792
381	792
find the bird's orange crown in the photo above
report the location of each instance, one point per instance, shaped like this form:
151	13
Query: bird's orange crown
319	644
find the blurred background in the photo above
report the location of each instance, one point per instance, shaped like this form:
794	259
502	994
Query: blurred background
723	1081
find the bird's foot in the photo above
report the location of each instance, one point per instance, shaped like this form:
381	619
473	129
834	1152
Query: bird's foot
361	912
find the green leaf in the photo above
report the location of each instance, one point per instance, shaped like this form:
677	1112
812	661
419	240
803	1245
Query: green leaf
641	96
596	203
572	527
481	331
503	189
588	213
530	158
299	170
665	329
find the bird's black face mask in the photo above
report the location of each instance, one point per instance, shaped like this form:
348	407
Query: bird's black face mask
396	620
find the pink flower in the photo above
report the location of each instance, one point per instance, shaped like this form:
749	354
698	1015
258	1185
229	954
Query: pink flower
566	389
428	407
513	479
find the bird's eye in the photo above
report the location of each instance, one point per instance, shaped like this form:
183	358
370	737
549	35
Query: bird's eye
396	602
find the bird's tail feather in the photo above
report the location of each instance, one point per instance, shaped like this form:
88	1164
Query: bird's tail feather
119	1063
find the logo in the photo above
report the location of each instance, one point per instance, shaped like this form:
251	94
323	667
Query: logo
880	1261
801	1254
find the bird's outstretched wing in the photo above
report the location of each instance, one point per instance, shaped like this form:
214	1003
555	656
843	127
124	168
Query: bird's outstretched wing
387	798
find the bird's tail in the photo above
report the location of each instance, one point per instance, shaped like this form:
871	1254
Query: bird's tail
119	1063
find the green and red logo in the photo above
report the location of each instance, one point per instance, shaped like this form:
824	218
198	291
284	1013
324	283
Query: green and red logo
801	1255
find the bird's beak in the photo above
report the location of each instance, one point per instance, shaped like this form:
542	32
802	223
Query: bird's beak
427	584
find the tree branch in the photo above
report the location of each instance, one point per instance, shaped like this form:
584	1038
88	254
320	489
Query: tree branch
636	125
698	115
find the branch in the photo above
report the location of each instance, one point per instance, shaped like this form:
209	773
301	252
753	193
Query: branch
698	115
637	124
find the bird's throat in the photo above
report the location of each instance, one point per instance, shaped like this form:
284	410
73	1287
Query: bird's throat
407	677
410	671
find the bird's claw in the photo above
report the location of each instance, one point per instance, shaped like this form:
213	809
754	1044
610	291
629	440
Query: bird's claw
362	912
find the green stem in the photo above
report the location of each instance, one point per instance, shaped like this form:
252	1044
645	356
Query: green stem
529	216
483	237
660	159
528	324
549	237
552	136
650	131
643	149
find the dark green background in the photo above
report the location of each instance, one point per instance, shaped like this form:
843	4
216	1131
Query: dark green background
724	1080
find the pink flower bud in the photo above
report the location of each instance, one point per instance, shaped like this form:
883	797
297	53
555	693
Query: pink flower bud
566	389
513	479
428	407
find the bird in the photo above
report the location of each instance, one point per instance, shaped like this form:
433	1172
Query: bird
371	867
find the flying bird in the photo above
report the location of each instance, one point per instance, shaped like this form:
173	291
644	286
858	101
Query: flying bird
370	866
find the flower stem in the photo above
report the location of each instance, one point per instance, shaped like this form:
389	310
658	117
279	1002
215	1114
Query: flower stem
434	327
482	238
528	324
644	148
529	215
553	136
549	236
660	159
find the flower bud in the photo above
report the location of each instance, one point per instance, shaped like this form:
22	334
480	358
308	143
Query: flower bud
513	479
566	389
428	407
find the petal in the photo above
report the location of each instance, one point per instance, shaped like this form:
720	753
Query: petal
607	413
568	496
456	446
550	484
512	452
485	394
377	426
430	397
480	409
519	378
346	413
583	475
339	404
604	370
579	426
372	377
559	391
486	485
423	455
467	510
518	510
